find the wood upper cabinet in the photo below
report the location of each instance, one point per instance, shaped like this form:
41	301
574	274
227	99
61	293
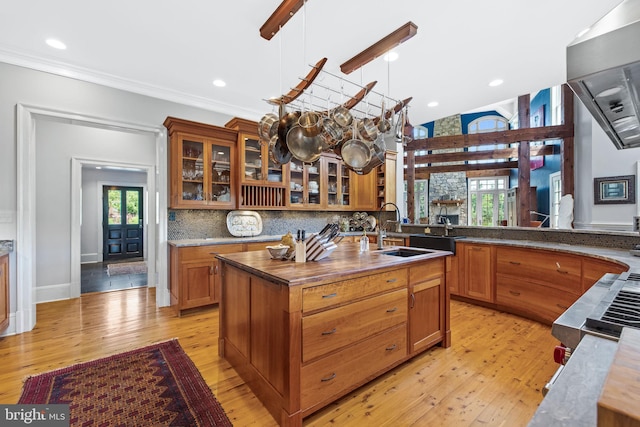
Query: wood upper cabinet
201	165
364	191
4	292
427	294
307	188
386	180
476	271
262	181
338	182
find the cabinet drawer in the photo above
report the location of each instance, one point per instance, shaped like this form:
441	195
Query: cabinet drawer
548	268
332	329
428	269
192	253
593	269
324	296
544	302
326	378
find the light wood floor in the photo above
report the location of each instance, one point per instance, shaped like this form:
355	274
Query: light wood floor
491	375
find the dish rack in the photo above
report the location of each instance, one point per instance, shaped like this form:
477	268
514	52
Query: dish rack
319	247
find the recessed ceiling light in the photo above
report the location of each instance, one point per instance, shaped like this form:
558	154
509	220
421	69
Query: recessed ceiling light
56	44
219	83
391	56
98	167
432	104
496	82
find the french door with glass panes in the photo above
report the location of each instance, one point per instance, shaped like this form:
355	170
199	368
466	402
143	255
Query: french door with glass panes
122	222
487	198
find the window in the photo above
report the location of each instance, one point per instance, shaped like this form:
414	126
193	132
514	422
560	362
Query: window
487	200
487	124
421	199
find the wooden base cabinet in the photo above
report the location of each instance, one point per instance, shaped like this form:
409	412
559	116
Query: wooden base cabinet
4	292
427	297
476	271
302	347
194	276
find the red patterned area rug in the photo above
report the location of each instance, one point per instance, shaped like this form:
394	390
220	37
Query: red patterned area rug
156	385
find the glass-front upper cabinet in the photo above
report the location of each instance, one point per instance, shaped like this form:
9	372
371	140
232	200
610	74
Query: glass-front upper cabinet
337	182
201	159
306	188
257	164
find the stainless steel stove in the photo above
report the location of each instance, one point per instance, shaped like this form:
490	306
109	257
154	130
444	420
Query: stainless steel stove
620	307
589	331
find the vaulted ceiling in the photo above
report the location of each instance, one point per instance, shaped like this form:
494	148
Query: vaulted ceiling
175	49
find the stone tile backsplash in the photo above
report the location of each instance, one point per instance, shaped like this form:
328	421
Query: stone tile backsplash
202	224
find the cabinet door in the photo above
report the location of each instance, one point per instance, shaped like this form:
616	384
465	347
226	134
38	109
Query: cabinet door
478	269
336	183
191	180
306	186
364	192
197	284
221	188
4	292
426	302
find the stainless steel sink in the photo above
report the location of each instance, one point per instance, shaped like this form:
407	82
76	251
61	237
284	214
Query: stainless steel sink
405	252
442	243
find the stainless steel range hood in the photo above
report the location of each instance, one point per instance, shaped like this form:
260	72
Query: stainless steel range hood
603	69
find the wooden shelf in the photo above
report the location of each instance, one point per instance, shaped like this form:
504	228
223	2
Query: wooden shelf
446	202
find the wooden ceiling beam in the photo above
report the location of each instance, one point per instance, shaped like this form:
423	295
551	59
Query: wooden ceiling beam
424	172
497	154
490	138
279	17
380	47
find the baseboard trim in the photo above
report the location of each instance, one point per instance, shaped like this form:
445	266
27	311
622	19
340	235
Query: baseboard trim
53	292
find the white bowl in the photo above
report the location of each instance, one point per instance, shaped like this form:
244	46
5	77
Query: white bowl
278	251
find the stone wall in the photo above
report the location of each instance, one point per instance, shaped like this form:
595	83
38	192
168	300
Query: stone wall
450	185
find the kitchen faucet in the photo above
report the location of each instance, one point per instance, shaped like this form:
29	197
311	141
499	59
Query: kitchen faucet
398	222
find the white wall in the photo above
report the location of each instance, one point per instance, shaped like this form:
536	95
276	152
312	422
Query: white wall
596	156
92	181
20	85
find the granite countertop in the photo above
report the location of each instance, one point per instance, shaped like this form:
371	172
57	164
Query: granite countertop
223	240
622	255
572	399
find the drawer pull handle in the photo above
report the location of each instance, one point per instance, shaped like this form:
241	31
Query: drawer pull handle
391	310
475	248
330	295
392	280
514	262
333	331
413	300
514	293
329	378
562	271
564	307
393	347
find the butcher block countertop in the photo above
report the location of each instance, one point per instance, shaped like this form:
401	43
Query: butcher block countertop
618	403
345	262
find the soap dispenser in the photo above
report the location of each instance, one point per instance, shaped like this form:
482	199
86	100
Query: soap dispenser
364	242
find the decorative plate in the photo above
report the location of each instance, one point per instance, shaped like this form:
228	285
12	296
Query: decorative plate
244	223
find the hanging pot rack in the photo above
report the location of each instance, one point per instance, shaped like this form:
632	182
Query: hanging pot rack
315	97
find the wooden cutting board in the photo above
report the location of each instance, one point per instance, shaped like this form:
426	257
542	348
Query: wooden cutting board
618	402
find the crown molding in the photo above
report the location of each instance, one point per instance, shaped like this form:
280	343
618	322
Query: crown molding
109	80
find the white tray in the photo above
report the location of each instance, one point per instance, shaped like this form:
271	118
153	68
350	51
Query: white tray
244	223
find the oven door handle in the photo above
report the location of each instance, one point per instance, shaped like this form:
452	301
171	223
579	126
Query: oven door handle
553	379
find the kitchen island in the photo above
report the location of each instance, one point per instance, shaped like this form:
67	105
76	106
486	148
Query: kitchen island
304	334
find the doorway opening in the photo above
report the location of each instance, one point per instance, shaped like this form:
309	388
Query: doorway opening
122	223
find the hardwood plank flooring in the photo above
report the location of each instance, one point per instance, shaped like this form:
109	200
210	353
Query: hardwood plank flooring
490	376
